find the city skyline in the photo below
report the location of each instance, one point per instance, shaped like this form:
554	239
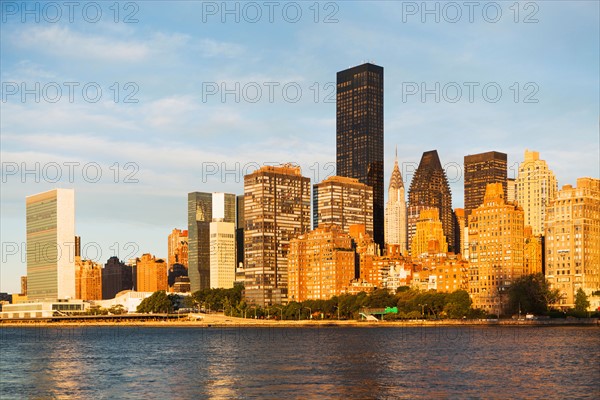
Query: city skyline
173	139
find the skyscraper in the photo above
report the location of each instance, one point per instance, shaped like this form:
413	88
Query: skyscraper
239	230
199	219
395	211
202	209
343	202
276	210
359	133
430	188
222	254
573	242
51	245
497	242
480	170
536	188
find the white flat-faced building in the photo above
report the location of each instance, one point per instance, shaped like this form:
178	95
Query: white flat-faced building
51	245
43	309
222	254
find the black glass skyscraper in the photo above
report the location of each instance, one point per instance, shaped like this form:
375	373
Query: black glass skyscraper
199	218
359	138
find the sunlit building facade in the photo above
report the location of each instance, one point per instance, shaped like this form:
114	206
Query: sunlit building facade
88	279
536	188
343	202
222	254
320	264
429	188
429	234
396	230
51	245
496	250
276	210
573	242
178	247
151	274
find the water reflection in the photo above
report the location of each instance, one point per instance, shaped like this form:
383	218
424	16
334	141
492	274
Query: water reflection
225	363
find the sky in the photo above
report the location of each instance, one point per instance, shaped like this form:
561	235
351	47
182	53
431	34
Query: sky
135	104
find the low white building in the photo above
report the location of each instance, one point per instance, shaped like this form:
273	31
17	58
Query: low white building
43	309
127	298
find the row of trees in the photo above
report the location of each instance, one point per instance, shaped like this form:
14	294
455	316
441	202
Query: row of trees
410	303
530	294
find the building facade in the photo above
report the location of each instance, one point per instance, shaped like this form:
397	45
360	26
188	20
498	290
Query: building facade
321	264
276	210
536	188
178	247
51	245
359	133
511	190
202	208
461	224
429	234
88	279
396	231
116	277
496	250
429	188
151	274
222	254
480	170
573	242
343	202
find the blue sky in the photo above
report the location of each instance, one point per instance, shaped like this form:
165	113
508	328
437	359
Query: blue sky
180	136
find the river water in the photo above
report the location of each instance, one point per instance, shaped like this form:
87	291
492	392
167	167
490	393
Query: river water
300	363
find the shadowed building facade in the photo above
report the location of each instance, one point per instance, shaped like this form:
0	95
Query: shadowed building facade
430	189
359	133
276	210
481	169
116	277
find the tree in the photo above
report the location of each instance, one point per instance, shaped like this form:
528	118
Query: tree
531	294
458	304
581	301
117	309
158	302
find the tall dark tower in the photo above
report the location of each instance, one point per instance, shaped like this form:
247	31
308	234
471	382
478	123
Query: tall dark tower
199	218
359	138
480	170
430	189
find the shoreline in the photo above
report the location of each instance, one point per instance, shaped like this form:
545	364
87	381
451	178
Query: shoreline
220	321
